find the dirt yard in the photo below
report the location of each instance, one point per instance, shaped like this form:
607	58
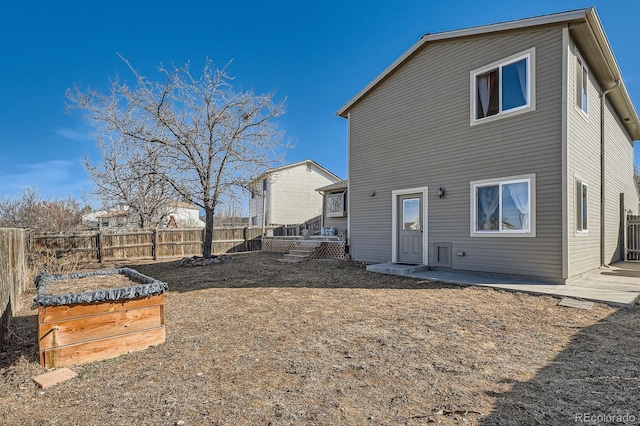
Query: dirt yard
253	341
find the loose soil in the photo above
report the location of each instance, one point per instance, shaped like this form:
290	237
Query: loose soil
254	341
90	283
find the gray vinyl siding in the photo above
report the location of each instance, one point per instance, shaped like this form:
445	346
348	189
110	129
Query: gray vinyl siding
618	178
584	164
413	131
583	155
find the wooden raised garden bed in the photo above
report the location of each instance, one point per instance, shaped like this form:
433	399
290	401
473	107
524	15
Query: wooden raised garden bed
97	315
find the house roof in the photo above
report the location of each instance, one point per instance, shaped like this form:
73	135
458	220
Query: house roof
289	166
112	213
586	30
343	184
182	204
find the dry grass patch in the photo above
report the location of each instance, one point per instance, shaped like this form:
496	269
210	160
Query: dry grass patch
254	341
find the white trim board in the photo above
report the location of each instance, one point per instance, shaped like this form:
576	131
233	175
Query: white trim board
424	190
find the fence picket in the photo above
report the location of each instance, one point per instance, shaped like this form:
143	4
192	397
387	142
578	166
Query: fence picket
633	237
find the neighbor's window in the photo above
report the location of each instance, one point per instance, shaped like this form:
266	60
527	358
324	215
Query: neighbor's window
502	87
581	204
582	80
336	206
502	206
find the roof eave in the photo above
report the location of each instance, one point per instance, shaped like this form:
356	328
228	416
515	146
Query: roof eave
573	15
633	127
288	166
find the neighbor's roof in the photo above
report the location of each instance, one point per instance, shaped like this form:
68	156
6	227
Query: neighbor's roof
112	213
343	184
289	166
182	204
586	30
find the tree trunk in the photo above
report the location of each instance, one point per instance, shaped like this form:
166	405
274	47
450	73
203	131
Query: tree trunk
208	232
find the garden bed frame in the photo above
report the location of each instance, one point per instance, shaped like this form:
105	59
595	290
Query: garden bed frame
91	326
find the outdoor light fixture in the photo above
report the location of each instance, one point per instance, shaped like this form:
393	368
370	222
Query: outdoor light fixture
441	192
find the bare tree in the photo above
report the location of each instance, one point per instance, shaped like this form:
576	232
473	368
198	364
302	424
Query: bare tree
128	176
32	212
209	139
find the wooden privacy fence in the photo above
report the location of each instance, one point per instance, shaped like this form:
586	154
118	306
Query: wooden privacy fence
145	244
633	238
13	272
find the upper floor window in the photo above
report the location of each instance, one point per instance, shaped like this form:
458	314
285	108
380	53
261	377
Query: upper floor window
582	81
502	88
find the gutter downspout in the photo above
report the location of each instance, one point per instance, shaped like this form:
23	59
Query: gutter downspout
603	102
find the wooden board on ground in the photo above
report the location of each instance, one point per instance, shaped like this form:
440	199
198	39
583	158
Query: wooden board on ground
54	377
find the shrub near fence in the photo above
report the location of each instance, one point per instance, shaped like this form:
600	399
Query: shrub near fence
13	273
145	244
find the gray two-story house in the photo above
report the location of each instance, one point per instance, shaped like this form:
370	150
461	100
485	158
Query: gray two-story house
506	148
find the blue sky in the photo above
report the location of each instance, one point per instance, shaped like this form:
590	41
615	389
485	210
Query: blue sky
317	55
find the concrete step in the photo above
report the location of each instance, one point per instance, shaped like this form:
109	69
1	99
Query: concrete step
396	269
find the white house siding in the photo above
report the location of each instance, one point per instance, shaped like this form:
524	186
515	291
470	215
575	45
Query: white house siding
293	195
186	217
583	154
413	131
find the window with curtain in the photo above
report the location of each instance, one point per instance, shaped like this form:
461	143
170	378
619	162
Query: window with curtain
502	206
582	81
581	204
502	87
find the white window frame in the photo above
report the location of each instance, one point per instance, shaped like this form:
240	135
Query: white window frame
583	71
529	55
343	213
531	232
580	228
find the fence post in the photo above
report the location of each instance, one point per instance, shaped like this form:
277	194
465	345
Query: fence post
202	236
154	244
99	246
625	227
245	235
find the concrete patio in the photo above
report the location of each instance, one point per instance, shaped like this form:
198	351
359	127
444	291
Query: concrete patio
617	284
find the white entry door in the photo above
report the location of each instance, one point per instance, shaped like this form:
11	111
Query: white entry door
410	228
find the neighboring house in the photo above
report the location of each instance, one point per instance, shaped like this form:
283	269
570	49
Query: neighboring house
180	214
175	214
116	218
334	207
290	195
482	149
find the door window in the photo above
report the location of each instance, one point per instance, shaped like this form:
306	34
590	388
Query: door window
411	214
